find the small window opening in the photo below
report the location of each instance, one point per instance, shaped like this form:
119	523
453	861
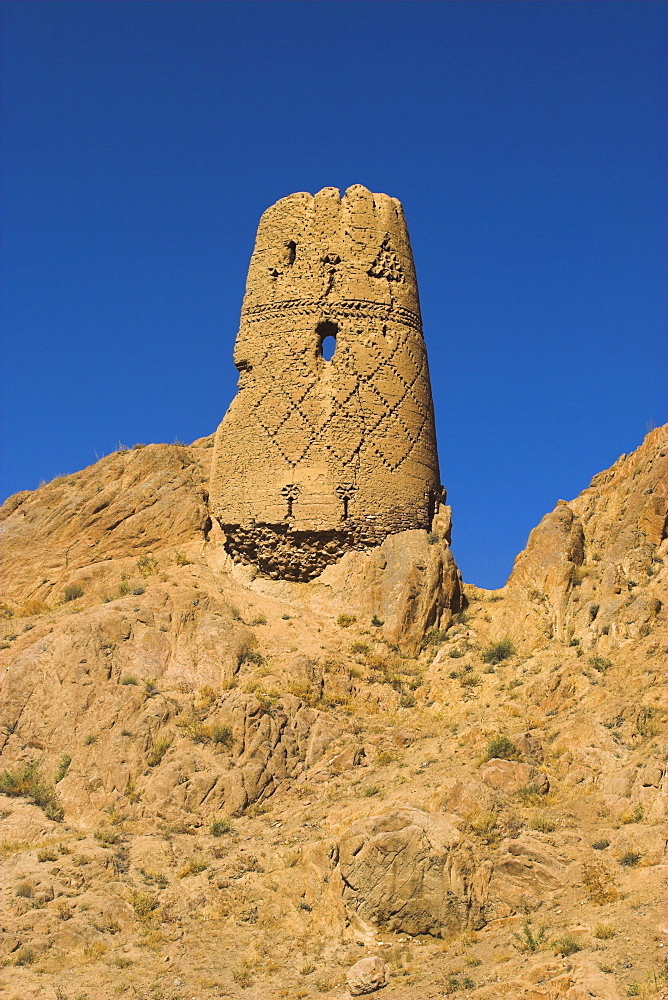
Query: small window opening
292	252
345	508
327	339
290	503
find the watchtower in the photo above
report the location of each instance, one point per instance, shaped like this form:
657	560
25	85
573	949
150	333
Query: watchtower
329	443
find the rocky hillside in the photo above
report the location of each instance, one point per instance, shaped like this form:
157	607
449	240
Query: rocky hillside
220	785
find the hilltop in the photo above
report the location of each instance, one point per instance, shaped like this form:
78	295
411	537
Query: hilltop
222	785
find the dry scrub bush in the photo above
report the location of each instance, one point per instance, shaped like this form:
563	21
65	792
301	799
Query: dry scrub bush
26	782
157	750
599	884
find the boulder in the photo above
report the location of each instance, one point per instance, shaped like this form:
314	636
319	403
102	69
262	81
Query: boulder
367	976
411	872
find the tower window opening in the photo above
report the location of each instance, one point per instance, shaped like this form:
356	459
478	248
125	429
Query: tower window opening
292	252
327	339
290	503
345	508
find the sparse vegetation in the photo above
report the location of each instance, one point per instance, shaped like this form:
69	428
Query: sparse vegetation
599	884
219	826
147	565
260	619
345	621
604	932
501	746
252	656
542	823
497	652
485	826
47	854
634	815
600	845
375	620
157	750
435	637
63	766
529	940
143	903
600	663
27	782
371	790
195	866
181	560
72	592
566	945
630	859
128	679
223	735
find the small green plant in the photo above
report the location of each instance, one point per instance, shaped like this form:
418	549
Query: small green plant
143	903
72	592
600	663
529	940
359	648
260	619
630	859
530	794
566	945
634	815
150	688
345	621
468	983
157	750
219	826
194	867
646	724
27	782
182	560
222	735
147	565
485	826
435	637
124	588
252	656
371	790
24	890
286	618
497	652
542	823
604	932
128	679
633	990
63	765
600	845
47	854
502	747
108	837
90	739
375	620
470	680
306	969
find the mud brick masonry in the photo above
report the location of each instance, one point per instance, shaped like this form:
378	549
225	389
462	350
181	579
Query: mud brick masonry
329	444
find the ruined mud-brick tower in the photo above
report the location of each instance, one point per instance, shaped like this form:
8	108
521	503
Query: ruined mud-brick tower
322	452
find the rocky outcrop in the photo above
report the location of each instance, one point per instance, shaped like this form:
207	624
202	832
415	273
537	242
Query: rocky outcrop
591	569
128	505
410	871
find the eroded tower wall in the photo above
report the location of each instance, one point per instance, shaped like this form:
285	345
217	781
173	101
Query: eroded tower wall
317	456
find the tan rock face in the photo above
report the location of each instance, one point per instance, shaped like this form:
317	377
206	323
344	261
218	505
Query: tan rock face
408	871
318	456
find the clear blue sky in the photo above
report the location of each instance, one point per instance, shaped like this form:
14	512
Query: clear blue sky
144	139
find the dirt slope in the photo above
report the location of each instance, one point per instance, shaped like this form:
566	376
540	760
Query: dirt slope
218	786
